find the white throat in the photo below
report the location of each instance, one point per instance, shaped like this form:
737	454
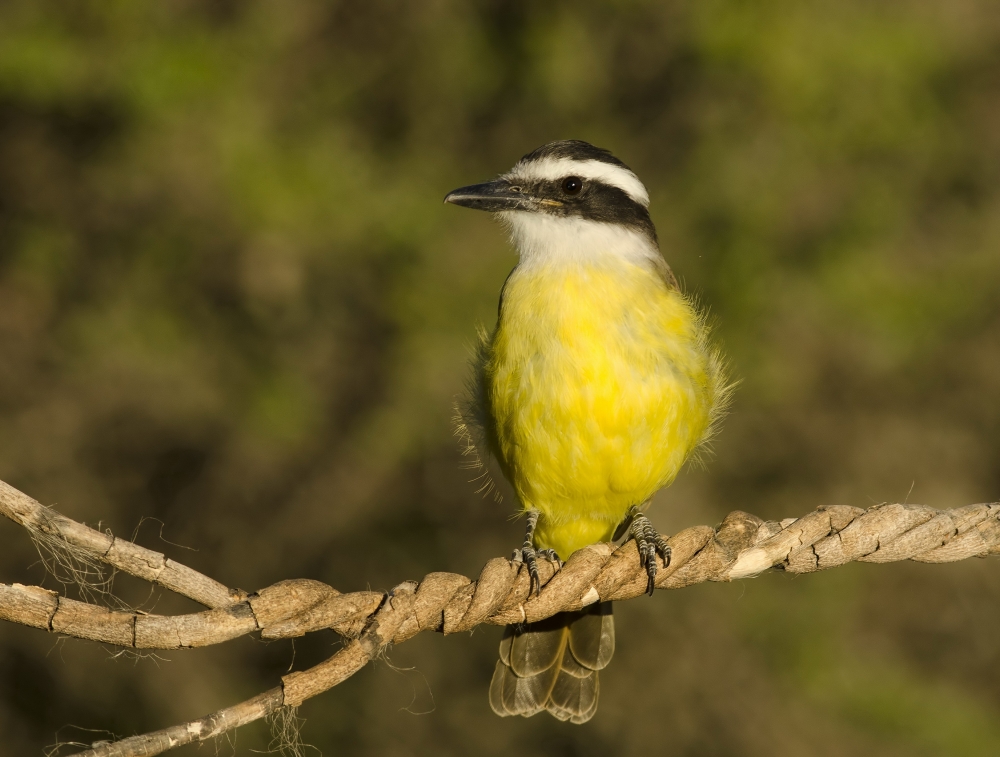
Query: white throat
545	238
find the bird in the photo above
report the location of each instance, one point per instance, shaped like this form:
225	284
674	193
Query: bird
597	383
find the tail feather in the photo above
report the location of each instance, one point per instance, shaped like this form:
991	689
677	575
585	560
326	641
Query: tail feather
538	650
512	695
571	667
574	699
552	665
592	637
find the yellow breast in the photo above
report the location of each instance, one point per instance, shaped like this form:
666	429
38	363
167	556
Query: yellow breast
599	384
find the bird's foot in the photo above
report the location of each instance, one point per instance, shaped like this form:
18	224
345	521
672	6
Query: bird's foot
529	555
550	555
649	543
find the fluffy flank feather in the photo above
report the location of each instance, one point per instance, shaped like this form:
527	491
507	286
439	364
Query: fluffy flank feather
472	422
722	386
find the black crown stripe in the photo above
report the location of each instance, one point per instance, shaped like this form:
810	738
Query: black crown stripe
574	149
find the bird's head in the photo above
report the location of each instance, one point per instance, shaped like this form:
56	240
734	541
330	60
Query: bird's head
568	198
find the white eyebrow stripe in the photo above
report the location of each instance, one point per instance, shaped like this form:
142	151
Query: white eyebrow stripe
548	169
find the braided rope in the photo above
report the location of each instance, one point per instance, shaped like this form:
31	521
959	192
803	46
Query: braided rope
741	546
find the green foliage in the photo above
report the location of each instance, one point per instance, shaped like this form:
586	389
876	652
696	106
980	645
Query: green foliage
230	299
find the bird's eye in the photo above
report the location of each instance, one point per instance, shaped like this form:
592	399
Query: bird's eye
572	185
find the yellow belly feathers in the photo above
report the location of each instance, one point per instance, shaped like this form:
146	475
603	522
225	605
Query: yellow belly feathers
599	384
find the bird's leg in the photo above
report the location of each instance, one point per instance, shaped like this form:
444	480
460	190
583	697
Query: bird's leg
528	553
649	542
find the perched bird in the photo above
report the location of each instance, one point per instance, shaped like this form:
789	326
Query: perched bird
596	385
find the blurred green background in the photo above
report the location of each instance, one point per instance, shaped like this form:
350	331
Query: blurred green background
234	317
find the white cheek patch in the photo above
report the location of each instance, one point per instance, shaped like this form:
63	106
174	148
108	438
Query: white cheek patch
551	169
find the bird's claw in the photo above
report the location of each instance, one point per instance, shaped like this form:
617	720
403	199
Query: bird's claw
550	555
530	559
649	543
529	555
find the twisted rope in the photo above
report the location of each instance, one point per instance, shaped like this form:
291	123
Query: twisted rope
741	546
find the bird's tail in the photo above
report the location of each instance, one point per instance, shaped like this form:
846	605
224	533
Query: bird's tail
552	664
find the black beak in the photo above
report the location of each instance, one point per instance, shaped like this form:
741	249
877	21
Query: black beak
494	196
